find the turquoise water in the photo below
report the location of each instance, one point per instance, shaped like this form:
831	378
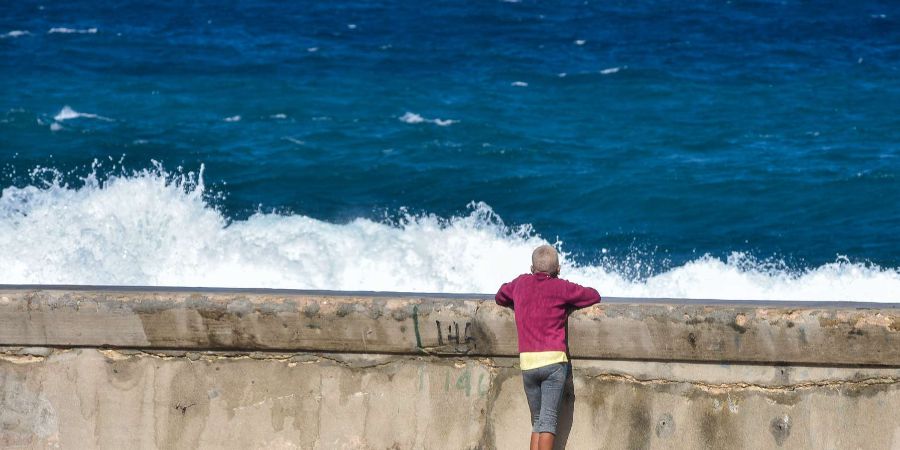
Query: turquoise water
646	138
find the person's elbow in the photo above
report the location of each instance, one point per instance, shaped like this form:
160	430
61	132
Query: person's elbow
502	299
593	297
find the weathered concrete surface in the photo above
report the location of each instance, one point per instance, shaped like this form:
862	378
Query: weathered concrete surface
472	325
132	368
89	398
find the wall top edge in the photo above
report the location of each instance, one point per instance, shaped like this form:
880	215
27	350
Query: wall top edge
818	304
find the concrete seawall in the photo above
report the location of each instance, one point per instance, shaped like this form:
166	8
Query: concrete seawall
218	368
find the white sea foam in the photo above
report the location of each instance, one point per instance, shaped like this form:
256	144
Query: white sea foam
519	84
232	119
409	117
413	118
580	42
155	228
63	30
294	140
67	113
611	70
15	34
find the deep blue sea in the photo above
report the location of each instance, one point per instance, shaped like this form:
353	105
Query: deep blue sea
716	149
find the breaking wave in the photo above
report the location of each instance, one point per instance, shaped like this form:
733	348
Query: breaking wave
153	227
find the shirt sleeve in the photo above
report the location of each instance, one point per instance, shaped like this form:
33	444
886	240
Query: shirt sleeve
504	295
581	297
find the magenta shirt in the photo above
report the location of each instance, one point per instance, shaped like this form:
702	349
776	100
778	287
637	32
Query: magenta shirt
540	303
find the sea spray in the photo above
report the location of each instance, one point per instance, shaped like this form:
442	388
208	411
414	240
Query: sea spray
154	227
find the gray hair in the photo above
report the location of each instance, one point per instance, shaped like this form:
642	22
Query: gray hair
545	259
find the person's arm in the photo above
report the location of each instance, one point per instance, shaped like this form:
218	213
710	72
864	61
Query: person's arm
504	295
578	296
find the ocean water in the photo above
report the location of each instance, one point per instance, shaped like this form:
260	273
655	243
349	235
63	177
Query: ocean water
727	149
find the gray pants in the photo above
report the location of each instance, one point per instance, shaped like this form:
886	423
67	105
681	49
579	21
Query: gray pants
544	390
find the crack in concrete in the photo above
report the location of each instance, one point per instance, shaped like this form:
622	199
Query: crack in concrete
24	355
288	358
717	388
478	304
359	366
15	356
21	359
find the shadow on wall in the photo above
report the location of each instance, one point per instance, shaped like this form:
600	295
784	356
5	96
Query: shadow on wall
566	411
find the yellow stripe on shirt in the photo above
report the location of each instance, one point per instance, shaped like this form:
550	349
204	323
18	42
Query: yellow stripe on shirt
533	360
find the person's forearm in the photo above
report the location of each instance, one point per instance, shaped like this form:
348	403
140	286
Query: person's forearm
588	297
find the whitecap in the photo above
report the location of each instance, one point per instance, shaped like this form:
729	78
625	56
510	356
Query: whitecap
63	30
278	116
294	140
15	34
413	118
67	113
232	119
519	84
580	42
55	126
611	70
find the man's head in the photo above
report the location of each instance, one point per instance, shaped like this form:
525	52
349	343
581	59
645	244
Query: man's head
545	259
